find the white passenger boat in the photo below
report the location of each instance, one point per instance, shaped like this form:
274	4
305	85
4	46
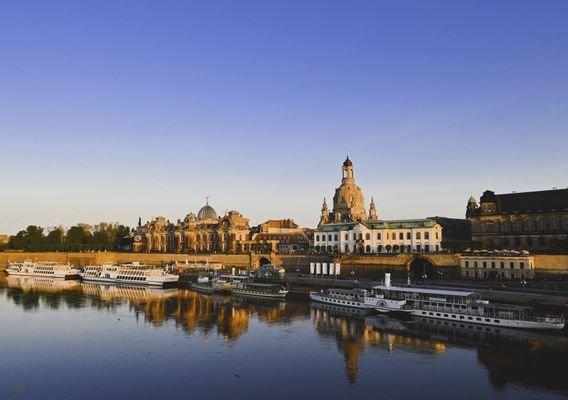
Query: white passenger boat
354	298
42	268
461	306
134	273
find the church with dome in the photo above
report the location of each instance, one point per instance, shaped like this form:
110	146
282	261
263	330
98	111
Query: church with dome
350	228
205	232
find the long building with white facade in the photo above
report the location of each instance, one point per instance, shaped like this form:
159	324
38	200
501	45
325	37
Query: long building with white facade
349	229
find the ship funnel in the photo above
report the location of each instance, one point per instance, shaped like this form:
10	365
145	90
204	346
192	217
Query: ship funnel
387	279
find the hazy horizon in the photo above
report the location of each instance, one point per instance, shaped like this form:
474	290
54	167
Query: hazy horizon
115	111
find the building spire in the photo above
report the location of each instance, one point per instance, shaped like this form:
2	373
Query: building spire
373	210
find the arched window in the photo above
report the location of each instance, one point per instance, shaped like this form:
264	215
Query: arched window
367	249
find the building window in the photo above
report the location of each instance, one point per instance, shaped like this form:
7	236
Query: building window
418	248
418	235
437	235
502	264
522	265
317	238
427	235
467	264
336	237
378	236
475	264
512	265
401	236
368	237
329	238
379	249
408	236
492	264
484	264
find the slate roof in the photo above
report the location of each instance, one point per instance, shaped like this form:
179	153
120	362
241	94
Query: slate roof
541	201
379	224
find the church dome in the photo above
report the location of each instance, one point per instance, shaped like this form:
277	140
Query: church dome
207	212
347	162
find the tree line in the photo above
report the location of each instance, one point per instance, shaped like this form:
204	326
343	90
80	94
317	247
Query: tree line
80	237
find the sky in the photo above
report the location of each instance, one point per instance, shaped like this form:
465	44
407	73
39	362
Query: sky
114	110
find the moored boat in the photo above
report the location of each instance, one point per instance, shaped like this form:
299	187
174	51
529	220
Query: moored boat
353	298
133	273
43	269
269	290
461	306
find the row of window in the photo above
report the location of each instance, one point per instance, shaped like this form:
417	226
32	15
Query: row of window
493	264
391	236
460	317
381	249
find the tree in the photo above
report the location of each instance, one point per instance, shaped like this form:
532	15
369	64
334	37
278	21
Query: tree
77	238
55	239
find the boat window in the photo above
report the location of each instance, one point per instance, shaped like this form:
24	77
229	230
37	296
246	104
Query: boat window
479	319
469	318
496	320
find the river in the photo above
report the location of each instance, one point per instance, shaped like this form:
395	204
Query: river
71	340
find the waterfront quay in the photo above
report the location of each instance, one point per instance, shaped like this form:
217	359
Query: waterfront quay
547	289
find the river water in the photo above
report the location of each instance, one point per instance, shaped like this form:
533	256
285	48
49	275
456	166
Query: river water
67	340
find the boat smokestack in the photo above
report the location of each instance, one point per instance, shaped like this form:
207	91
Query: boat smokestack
387	279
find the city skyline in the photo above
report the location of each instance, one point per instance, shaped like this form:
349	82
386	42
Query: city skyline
128	111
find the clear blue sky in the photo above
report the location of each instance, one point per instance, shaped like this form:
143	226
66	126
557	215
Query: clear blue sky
110	110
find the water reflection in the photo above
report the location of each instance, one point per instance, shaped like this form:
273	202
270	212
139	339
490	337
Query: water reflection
190	310
354	331
510	356
363	346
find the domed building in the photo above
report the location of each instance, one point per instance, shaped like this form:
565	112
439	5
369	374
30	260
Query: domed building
348	228
205	233
206	212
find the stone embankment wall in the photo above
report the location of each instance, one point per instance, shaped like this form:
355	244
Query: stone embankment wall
233	260
551	264
361	265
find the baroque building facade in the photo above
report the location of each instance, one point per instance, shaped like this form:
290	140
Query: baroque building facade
529	220
201	233
349	228
285	233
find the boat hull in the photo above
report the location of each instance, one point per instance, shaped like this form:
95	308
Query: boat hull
315	296
156	283
482	320
279	295
54	275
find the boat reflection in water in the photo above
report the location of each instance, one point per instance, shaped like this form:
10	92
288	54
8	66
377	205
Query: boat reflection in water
40	283
354	331
510	356
190	311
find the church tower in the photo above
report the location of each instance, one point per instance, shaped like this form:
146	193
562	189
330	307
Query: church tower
348	202
324	213
471	207
373	211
